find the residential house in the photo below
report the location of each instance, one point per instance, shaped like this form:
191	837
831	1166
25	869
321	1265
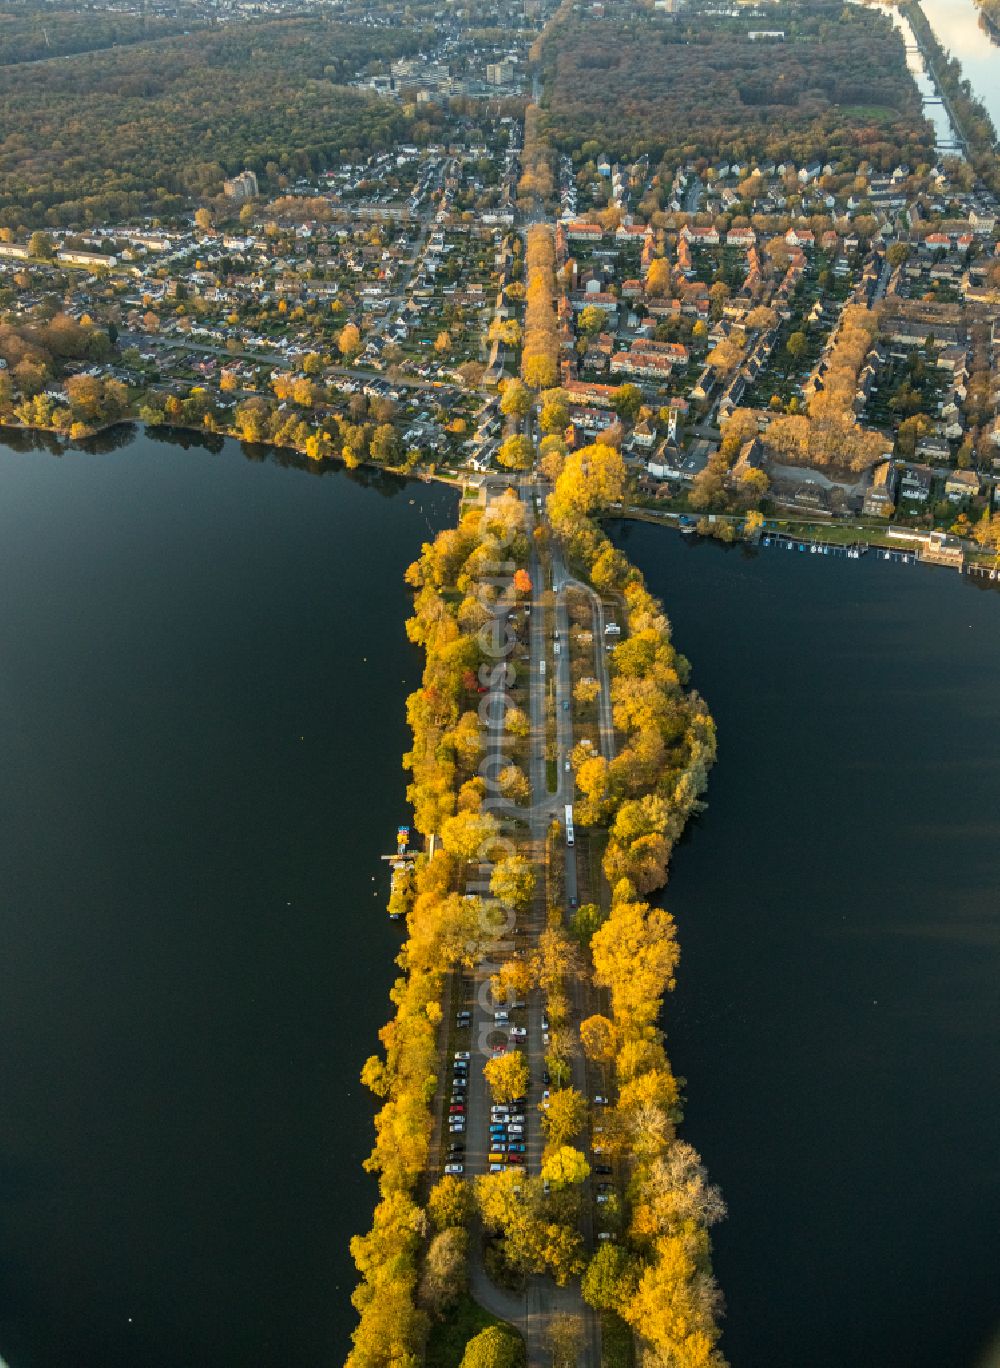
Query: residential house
880	496
915	483
961	484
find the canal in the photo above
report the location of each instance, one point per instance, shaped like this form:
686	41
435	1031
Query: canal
837	1015
961	30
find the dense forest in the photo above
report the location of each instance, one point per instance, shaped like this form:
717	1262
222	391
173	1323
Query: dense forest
30	33
141	127
836	87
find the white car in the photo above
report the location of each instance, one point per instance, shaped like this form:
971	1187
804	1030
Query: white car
601	1196
460	1168
462	1054
518	1033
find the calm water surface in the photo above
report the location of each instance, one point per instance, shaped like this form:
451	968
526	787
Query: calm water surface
202	670
202	675
960	29
838	1011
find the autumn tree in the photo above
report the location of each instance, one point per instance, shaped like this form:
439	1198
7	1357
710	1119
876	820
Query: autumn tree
499	1346
516	452
591	478
349	342
599	1039
41	246
515	401
450	1203
796	345
513	882
627	401
508	1076
658	277
445	1273
635	956
554	416
564	1166
563	1116
611	1278
591	320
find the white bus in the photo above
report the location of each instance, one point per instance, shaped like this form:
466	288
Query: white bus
569	824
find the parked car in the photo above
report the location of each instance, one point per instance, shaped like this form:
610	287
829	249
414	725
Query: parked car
454	1168
462	1054
518	1033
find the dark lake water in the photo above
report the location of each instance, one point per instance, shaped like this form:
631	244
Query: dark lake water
202	674
837	1015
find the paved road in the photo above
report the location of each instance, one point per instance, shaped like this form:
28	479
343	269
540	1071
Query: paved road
532	1309
140	340
605	717
428	221
692	196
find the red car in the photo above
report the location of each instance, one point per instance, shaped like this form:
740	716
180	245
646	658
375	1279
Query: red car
515	1158
456	1110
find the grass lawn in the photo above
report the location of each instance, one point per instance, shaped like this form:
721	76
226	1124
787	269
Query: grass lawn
448	1338
617	1344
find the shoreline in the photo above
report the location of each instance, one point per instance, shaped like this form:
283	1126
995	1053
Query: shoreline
872	538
